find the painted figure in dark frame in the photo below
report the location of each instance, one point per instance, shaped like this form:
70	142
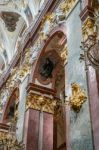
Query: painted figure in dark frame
47	68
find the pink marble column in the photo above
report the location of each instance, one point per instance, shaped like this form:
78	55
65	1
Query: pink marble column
55	135
66	111
38	130
31	129
47	131
94	105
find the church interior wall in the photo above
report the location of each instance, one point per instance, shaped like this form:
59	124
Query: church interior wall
80	124
49	80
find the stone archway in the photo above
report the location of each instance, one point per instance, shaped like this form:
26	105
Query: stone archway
47	74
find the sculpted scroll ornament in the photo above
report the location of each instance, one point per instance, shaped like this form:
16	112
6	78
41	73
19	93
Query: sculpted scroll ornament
78	97
88	28
41	103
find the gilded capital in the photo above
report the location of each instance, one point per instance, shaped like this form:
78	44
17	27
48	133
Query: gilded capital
40	103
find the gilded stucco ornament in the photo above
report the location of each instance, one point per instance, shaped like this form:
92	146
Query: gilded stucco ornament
88	28
24	69
93	51
40	103
64	55
42	36
90	43
49	17
46	25
78	97
67	5
8	141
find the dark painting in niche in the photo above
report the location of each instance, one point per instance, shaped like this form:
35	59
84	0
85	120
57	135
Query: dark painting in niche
46	68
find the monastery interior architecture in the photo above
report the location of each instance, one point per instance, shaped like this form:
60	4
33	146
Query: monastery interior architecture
49	74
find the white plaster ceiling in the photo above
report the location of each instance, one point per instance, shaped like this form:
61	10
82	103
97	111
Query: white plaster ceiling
25	12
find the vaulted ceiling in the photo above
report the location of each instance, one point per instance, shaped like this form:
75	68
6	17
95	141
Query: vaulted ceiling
15	17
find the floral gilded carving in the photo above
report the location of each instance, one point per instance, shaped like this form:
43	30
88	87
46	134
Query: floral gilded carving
41	103
78	97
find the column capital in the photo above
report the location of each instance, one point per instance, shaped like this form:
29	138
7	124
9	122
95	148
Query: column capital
41	103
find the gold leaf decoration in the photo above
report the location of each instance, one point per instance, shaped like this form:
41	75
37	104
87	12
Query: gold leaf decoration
78	97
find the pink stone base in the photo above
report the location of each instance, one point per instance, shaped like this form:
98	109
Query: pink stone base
48	132
31	129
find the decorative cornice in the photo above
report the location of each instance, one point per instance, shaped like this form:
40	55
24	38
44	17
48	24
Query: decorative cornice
38	88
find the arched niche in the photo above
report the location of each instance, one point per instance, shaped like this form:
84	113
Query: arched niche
11	107
51	53
53	49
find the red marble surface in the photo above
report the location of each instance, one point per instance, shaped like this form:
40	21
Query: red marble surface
48	132
55	135
31	129
66	112
94	105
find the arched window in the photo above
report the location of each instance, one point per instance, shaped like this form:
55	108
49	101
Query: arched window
11	107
